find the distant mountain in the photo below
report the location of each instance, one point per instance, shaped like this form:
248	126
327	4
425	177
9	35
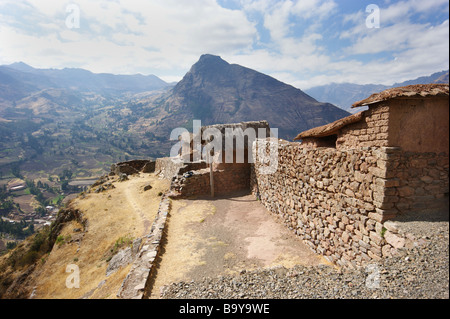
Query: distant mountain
345	94
216	92
438	77
54	120
18	80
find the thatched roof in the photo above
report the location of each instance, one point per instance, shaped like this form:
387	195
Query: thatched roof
330	129
410	91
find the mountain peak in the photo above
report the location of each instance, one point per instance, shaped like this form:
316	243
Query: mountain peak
217	92
209	62
209	58
21	66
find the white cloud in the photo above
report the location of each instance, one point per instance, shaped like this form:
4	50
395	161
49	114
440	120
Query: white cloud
313	8
165	34
300	42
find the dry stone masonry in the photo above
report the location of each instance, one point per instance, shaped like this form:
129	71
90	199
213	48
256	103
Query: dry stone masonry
136	284
338	200
338	188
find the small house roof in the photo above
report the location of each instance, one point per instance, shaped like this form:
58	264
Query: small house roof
331	128
410	91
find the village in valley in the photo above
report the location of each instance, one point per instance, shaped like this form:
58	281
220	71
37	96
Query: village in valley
28	205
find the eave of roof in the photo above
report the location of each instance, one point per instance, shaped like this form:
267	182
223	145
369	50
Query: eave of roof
410	91
331	128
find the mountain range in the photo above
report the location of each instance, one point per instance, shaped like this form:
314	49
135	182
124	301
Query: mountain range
18	80
57	119
344	95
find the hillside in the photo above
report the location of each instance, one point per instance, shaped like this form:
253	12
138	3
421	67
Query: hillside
23	79
50	117
101	232
72	120
217	92
92	230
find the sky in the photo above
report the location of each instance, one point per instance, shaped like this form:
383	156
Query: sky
304	43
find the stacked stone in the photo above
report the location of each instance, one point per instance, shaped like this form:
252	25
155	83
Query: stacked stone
133	167
137	282
233	177
190	185
335	200
167	167
371	131
422	179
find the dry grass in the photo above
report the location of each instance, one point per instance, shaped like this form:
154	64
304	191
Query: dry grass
117	213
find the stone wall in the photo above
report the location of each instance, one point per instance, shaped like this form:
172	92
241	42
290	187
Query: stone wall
133	167
371	131
137	283
422	181
415	125
338	200
228	178
167	167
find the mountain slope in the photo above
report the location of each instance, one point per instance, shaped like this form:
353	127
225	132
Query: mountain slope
23	79
345	94
216	92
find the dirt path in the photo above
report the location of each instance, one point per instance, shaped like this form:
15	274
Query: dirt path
225	235
132	193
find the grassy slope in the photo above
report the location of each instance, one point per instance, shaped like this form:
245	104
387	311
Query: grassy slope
122	212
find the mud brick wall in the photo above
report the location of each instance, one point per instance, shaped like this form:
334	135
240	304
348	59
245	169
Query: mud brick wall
371	131
338	200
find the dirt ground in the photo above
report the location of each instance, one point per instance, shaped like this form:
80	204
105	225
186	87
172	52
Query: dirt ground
210	237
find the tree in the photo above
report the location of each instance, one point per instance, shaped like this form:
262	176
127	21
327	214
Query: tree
15	170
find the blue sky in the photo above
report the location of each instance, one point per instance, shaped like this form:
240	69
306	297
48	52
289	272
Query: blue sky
301	42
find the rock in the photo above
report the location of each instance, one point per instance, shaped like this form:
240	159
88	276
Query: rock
147	187
391	226
122	258
394	240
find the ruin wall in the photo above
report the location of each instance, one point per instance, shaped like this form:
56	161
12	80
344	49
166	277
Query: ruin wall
228	178
338	201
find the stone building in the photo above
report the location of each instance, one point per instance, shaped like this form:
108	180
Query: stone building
414	118
231	166
413	122
338	187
